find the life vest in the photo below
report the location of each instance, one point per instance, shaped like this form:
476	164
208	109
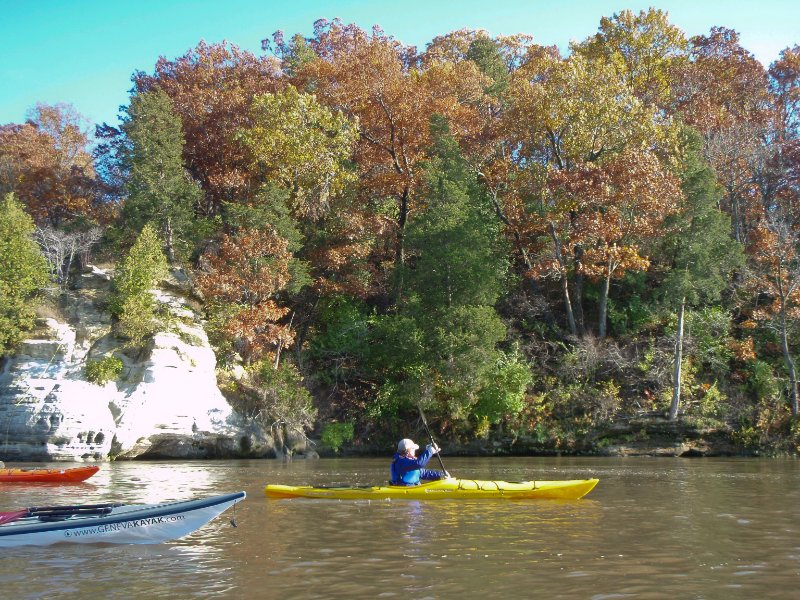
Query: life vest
410	477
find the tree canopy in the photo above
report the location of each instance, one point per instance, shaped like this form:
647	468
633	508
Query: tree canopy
513	237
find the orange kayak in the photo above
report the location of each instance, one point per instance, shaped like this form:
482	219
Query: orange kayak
73	475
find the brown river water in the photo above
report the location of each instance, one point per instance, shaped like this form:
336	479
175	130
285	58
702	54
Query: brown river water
652	528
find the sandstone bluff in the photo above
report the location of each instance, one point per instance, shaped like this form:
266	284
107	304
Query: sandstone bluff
165	404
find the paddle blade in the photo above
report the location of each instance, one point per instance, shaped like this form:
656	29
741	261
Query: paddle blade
7	517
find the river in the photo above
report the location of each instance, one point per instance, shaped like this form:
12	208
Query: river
652	528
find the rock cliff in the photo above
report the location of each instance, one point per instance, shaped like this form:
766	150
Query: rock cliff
165	403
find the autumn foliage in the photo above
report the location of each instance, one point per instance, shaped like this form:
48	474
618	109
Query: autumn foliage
47	163
242	282
339	180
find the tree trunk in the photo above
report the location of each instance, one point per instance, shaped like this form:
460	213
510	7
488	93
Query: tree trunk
603	316
280	346
787	358
568	306
564	281
400	249
402	217
169	241
736	219
577	301
676	378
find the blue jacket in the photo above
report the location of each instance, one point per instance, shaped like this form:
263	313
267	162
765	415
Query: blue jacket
408	471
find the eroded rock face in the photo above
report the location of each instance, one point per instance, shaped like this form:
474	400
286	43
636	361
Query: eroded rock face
165	404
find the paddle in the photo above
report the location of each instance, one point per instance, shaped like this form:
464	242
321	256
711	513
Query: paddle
430	435
7	517
56	513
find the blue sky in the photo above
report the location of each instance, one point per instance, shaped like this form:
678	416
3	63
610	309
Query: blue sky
83	52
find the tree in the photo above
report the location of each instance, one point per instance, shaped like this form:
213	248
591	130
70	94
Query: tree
375	82
160	190
298	143
447	329
487	54
776	251
723	92
621	217
62	248
701	252
301	146
242	281
646	48
212	87
293	54
458	258
23	272
778	177
722	84
47	164
132	301
784	76
568	119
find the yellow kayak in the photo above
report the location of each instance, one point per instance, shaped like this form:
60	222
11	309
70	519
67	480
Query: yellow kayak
468	489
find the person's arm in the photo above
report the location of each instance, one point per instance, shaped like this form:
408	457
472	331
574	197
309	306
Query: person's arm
430	474
426	455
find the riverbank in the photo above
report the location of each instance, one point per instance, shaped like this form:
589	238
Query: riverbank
651	436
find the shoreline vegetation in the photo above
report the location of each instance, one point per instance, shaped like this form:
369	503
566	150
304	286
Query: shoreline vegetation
651	436
588	254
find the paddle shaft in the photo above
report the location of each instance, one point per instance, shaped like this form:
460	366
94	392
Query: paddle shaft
57	512
430	435
34	509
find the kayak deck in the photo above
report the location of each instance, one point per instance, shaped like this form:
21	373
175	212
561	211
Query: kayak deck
450	488
111	523
35	475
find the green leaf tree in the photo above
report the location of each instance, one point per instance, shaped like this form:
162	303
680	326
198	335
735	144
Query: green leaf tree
646	49
293	54
442	346
485	52
159	188
132	301
23	272
298	143
459	259
702	252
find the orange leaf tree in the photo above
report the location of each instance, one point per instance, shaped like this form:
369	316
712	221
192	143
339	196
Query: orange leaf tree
242	282
380	85
577	128
211	88
626	216
723	92
47	164
777	276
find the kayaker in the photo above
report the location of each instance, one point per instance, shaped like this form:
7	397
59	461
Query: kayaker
407	469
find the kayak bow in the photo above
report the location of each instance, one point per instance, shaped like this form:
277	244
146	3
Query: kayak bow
450	488
110	523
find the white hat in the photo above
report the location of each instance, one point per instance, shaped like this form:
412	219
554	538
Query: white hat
405	445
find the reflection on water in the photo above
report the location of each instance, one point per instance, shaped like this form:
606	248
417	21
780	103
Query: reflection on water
129	571
653	528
